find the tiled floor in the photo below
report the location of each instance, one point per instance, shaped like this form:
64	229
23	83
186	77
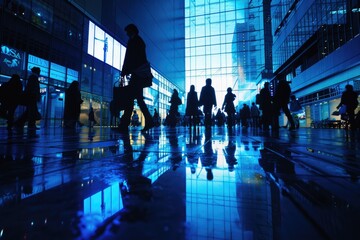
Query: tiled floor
179	184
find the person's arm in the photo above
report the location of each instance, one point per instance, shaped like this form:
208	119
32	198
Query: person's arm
224	103
214	96
341	102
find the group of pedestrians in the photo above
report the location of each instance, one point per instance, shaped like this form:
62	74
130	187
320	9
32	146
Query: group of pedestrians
135	58
13	95
208	101
272	105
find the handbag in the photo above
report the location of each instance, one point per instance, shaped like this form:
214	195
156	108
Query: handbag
335	113
122	96
144	74
342	109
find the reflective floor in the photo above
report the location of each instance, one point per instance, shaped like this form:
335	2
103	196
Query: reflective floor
179	184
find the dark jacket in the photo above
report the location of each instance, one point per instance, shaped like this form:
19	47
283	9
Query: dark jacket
135	55
72	103
265	99
207	97
229	103
350	99
282	93
32	89
175	101
192	104
11	91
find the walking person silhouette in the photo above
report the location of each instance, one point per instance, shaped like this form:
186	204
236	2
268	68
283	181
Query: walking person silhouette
135	57
208	100
192	106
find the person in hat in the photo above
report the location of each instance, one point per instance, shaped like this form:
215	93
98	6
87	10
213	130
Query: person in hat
31	98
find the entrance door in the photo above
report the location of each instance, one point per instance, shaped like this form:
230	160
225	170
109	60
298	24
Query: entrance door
52	106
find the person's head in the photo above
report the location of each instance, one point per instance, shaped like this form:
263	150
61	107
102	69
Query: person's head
74	85
208	81
176	92
292	97
15	78
266	85
229	89
131	30
192	88
134	111
349	88
35	70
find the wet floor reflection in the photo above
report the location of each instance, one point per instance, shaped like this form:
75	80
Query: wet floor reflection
172	183
334	215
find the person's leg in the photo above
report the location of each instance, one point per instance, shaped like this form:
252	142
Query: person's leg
288	115
126	117
148	118
32	111
351	116
10	116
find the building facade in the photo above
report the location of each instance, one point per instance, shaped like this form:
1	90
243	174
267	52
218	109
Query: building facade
315	48
68	44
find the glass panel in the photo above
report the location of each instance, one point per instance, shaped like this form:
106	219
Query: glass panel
109	49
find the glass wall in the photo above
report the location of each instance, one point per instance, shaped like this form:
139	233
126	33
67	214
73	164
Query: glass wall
101	70
224	42
330	23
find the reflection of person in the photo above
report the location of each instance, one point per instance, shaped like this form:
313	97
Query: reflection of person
229	107
349	99
17	170
208	100
192	151
31	97
10	92
136	189
192	106
72	105
176	155
135	57
229	152
281	101
208	158
156	118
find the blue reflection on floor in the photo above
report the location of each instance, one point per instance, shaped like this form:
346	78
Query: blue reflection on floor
176	183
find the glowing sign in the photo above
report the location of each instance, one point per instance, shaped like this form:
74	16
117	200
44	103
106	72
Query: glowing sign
11	58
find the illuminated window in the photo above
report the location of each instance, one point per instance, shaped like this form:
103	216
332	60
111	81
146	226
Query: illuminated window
218	46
